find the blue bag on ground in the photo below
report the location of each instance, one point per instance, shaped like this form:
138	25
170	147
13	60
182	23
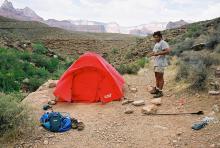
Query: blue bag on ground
56	122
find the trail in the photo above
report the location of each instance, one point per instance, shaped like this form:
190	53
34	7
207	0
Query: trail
108	127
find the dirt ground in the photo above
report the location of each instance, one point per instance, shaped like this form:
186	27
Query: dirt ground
107	126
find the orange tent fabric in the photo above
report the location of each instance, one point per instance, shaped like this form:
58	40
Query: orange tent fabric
90	79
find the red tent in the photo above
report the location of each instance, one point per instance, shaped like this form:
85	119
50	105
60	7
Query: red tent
90	79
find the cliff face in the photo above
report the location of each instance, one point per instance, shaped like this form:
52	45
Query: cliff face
172	25
26	14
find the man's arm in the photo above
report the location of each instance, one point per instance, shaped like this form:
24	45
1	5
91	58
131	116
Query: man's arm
164	52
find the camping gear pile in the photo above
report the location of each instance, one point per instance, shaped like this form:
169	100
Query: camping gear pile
59	122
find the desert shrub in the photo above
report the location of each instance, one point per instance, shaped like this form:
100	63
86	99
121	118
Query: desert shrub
217	48
193	68
139	40
13	117
114	50
209	60
182	72
172	42
182	46
194	30
213	40
198	77
129	55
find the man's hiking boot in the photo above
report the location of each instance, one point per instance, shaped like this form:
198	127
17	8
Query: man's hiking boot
77	125
154	91
81	126
74	123
159	94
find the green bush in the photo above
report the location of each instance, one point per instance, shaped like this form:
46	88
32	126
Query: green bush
114	50
13	117
129	68
39	48
34	83
194	30
16	66
141	62
59	72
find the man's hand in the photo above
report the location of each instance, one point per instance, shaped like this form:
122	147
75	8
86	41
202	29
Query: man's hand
164	52
152	54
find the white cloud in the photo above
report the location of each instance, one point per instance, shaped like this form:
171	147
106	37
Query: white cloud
125	12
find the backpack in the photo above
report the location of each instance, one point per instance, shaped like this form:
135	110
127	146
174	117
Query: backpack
56	122
55	119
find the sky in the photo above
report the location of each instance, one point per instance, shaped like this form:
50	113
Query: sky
124	12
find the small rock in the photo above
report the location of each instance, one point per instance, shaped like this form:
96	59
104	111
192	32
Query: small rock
133	90
150	109
40	128
46	142
52	85
179	133
215	108
174	141
55	56
150	88
217	73
52	102
214	92
127	102
160	127
26	80
197	95
50	136
168	95
156	101
129	110
139	103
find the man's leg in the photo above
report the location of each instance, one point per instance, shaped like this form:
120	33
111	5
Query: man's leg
161	81
156	88
157	79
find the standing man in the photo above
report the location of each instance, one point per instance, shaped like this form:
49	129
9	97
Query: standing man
161	49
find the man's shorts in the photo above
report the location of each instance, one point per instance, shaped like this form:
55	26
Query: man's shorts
159	69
